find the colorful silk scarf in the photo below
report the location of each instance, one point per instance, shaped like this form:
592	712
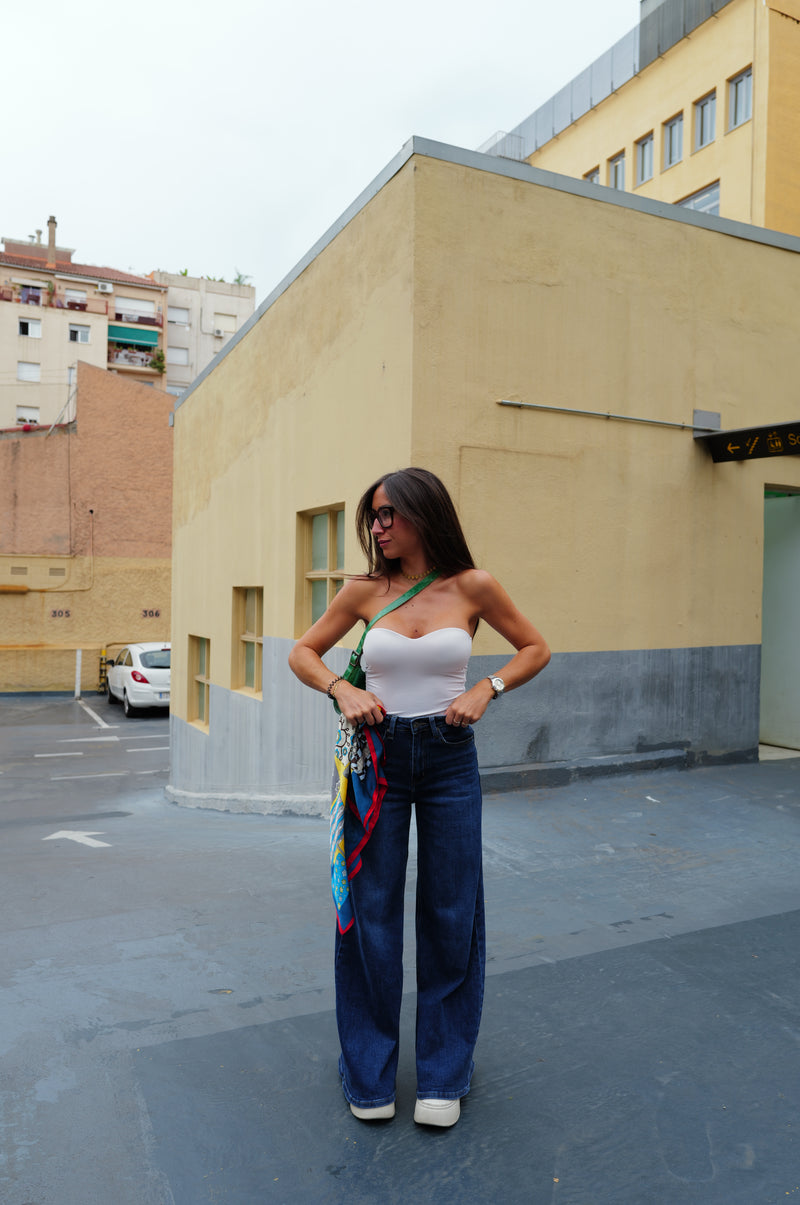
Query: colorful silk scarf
359	783
359	786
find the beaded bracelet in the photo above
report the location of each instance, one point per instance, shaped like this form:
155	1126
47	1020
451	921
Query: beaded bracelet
331	691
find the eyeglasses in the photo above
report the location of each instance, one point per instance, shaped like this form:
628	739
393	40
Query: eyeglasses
384	515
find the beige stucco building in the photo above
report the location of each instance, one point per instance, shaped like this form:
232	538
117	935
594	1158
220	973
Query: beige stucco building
55	312
202	315
547	347
698	106
85	534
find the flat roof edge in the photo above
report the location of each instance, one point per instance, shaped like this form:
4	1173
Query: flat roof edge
511	169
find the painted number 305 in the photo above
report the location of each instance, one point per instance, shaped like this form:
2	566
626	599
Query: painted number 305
151	614
59	614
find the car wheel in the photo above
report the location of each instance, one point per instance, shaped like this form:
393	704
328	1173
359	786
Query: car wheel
126	707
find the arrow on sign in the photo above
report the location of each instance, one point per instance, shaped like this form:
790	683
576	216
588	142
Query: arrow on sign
82	838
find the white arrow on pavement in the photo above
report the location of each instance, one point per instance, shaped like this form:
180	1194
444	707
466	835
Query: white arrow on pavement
83	838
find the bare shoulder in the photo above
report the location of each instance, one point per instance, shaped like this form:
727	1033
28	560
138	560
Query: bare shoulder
361	596
479	586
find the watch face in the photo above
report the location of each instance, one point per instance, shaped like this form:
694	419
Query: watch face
498	684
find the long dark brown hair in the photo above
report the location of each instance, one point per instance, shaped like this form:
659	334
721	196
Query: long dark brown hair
419	496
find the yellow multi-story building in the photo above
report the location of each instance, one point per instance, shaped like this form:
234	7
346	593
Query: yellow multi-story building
699	106
54	312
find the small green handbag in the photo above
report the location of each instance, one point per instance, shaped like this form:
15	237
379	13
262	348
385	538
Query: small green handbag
354	674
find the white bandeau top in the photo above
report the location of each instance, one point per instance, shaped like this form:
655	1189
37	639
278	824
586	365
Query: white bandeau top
419	675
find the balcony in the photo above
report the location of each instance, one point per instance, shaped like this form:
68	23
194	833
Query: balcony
143	319
26	295
129	357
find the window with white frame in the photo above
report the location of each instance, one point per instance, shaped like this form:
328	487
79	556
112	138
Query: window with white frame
705	200
78	334
75	296
673	140
225	322
740	98
593	176
616	171
644	159
28	371
27	414
71	371
705	119
32	327
177	355
178	314
321	557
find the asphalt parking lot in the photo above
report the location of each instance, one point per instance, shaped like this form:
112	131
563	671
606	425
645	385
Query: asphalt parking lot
167	1034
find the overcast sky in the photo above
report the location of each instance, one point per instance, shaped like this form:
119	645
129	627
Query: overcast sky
228	135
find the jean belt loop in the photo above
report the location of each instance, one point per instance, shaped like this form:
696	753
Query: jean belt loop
389	722
432	720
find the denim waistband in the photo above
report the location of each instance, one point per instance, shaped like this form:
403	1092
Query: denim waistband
418	723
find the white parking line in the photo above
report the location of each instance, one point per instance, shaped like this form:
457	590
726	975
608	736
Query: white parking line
65	777
75	754
144	736
97	719
85	740
150	749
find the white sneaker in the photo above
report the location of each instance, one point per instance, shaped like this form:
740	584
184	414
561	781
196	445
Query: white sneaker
379	1113
437	1112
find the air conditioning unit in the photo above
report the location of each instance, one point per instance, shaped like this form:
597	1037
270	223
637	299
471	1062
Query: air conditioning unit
105	286
218	334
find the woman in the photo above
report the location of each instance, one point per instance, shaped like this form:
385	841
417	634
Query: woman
415	658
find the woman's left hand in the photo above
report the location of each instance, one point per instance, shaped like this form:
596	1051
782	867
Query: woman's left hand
468	708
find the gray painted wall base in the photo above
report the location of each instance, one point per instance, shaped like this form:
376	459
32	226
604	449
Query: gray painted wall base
588	713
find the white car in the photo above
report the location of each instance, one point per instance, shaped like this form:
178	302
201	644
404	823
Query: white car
140	677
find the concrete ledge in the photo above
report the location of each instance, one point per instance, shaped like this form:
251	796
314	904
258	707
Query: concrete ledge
558	774
495	779
253	804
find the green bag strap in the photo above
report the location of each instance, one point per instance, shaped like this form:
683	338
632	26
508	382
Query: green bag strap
398	602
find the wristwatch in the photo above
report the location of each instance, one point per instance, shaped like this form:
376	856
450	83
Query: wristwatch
498	686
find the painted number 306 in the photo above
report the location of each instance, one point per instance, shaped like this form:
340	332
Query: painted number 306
151	614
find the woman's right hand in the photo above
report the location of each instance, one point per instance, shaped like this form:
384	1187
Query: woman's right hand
359	706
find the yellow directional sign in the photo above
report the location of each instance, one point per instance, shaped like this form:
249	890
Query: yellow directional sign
753	443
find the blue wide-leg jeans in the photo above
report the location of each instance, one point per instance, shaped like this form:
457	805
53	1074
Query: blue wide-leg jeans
433	766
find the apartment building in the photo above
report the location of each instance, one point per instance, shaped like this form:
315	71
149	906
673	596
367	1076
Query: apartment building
202	315
699	106
55	312
160	330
